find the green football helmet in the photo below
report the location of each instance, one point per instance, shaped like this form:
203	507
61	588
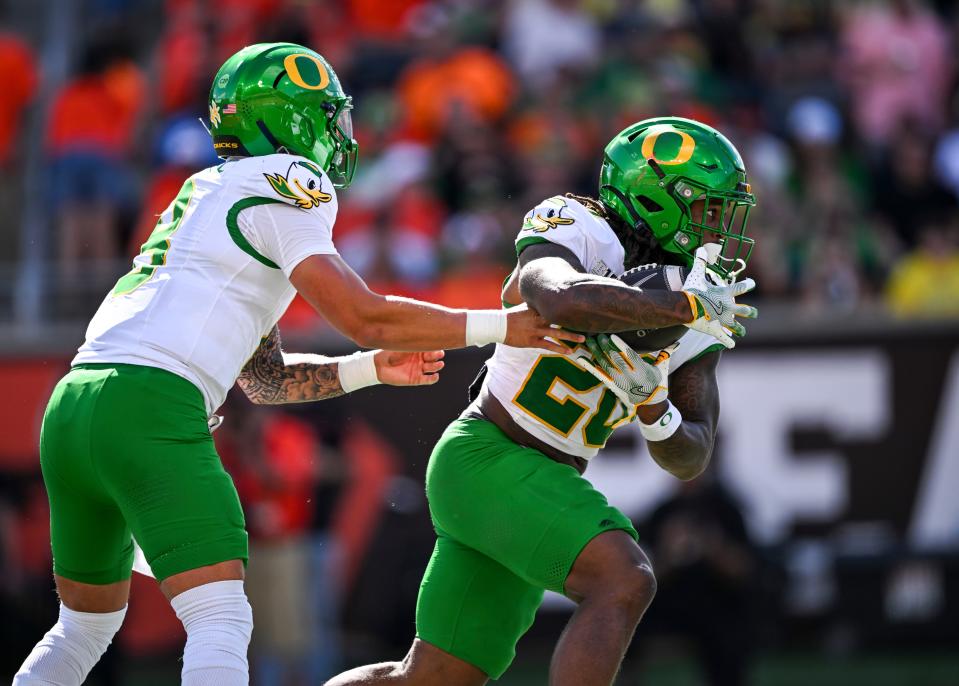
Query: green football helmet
653	172
282	97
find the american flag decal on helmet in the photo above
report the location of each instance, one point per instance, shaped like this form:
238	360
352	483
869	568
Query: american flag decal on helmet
230	108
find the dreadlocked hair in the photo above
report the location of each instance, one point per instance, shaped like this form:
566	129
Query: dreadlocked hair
639	244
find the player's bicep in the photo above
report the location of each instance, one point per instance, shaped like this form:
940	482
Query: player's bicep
694	390
286	235
335	291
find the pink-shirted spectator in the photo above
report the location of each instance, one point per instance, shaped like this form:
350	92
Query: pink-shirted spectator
897	63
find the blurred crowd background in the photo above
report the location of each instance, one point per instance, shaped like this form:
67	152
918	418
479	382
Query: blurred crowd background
468	113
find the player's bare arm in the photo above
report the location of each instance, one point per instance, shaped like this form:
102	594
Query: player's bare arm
694	391
373	320
272	377
553	282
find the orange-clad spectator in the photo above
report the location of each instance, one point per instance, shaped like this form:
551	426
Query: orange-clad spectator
279	494
434	89
382	20
92	125
18	66
182	54
97	111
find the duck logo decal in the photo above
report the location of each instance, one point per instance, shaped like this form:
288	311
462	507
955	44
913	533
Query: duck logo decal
301	184
547	216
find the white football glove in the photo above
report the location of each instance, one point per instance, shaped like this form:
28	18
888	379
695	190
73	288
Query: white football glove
714	306
626	373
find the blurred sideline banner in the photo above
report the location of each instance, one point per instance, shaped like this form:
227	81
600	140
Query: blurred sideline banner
850	438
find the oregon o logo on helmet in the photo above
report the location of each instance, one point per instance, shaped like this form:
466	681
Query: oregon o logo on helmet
685	148
293	71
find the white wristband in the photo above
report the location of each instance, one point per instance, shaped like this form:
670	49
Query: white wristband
485	326
357	371
664	427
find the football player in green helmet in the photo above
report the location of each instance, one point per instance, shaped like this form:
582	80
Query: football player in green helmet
513	514
125	447
685	184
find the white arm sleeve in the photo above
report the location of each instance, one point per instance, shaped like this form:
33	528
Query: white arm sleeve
288	235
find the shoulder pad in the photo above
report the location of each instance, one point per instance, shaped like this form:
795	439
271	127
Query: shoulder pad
549	214
294	180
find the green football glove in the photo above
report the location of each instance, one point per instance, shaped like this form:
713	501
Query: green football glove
714	306
625	372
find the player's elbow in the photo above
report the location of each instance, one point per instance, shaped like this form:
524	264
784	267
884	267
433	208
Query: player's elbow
685	465
549	302
367	325
369	335
688	472
691	467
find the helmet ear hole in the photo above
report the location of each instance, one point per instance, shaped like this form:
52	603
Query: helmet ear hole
649	204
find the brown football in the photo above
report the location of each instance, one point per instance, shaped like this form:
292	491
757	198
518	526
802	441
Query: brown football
654	277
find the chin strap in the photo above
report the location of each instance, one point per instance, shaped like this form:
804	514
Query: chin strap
713	251
733	273
271	139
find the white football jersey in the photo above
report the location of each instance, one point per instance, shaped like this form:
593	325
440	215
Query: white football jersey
213	278
546	393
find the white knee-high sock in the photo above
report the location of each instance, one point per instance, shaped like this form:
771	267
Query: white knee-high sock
67	652
218	620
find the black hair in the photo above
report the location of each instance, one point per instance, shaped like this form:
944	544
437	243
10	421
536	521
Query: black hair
639	243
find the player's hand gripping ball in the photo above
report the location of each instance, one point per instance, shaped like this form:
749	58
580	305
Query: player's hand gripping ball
654	277
635	379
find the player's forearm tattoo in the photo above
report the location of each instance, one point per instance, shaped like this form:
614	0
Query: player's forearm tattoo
601	307
267	379
692	389
586	302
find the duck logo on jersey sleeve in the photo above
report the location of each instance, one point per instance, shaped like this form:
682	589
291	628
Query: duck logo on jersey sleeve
302	184
547	216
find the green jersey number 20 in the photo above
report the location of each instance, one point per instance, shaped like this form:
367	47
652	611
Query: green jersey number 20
536	398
